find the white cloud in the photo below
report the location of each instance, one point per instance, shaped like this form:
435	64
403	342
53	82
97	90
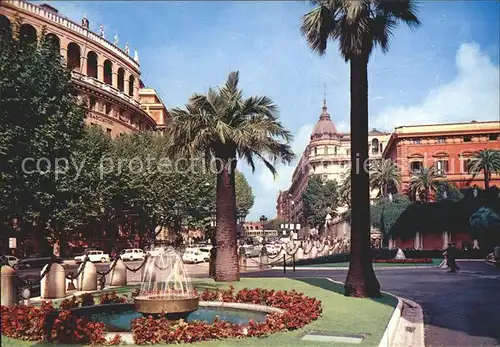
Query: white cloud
474	94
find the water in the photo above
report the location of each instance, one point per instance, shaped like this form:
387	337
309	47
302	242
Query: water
121	322
165	276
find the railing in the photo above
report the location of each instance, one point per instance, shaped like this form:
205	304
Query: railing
55	18
105	86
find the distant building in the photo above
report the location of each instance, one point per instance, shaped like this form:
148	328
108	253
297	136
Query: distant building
154	106
449	147
328	155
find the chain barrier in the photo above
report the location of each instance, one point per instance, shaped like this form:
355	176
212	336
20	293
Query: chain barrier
111	267
140	267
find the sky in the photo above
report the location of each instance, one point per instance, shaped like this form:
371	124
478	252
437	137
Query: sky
447	70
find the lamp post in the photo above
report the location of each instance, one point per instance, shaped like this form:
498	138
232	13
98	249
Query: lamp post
241	220
263	220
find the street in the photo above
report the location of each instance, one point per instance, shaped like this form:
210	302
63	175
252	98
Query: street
460	309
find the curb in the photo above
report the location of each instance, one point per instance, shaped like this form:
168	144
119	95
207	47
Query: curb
347	268
395	331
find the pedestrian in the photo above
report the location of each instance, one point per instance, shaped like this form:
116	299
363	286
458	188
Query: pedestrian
451	257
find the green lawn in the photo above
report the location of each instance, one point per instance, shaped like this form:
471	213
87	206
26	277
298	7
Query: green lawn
341	314
435	262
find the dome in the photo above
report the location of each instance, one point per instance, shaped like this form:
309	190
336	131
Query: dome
324	128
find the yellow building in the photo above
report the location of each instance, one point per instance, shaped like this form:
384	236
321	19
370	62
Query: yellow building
327	155
105	76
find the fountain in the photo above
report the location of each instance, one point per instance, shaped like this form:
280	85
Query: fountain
166	289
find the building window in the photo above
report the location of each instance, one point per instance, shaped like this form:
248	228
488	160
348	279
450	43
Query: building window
440	139
493	137
92	103
315	150
107	108
326	150
467	162
325	165
467	138
336	149
442	166
416	166
381	147
108	131
415	141
348	152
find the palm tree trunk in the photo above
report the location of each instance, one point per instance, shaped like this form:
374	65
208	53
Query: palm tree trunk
226	263
486	179
361	280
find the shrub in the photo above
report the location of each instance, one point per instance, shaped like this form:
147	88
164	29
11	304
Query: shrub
111	298
67	328
25	322
404	261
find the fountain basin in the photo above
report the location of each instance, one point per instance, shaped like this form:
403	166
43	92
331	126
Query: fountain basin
173	307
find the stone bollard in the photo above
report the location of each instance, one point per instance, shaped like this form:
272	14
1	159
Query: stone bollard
53	284
9	284
314	252
496	253
264	260
87	280
118	276
300	254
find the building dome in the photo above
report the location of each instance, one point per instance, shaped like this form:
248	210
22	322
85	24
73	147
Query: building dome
324	128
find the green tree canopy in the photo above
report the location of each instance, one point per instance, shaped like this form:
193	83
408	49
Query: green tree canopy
424	182
40	117
384	213
244	194
385	175
319	198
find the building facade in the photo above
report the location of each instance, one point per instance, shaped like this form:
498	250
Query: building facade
447	147
328	155
105	76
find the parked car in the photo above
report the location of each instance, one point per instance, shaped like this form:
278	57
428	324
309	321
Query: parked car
252	250
37	260
132	254
94	256
206	252
156	251
193	255
273	249
10	260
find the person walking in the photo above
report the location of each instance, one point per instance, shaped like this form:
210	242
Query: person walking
451	257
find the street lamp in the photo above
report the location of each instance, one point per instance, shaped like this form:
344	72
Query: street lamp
240	215
263	220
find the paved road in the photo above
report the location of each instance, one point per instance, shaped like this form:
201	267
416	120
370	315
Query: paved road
460	309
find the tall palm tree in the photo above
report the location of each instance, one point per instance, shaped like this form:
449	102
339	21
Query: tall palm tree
358	26
424	182
384	175
222	126
488	161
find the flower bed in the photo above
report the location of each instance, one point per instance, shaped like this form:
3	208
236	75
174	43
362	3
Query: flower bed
405	261
299	311
30	322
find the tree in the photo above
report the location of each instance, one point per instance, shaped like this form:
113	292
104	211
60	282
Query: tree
223	126
424	182
244	194
385	174
358	26
384	214
345	190
448	191
487	161
41	119
318	196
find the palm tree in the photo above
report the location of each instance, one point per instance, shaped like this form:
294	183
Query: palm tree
358	26
221	127
487	161
345	189
385	174
424	182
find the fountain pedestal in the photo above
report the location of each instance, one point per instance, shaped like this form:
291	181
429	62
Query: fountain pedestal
171	308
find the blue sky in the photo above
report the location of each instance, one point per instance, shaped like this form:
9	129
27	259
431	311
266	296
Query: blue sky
445	71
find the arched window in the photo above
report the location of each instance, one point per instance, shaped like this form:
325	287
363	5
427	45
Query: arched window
375	146
27	33
131	83
108	72
53	40
92	64
73	56
5	27
121	79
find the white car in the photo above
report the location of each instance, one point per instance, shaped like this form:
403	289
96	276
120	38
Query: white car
193	255
206	252
132	254
156	251
12	261
94	256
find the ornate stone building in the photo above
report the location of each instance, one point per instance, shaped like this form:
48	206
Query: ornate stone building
449	147
327	155
106	77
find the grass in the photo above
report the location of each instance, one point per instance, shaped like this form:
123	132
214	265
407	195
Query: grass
435	262
341	314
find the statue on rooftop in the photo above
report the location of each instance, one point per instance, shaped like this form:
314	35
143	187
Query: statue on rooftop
85	21
116	40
